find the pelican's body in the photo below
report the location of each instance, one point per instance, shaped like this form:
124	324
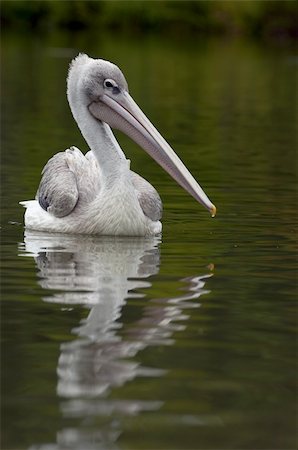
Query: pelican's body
97	193
102	208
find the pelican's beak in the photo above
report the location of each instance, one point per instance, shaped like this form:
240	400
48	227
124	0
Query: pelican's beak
121	112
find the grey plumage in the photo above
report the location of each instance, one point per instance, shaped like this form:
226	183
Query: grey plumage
148	197
58	192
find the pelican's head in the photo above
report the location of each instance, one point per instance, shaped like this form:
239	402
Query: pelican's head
89	79
100	86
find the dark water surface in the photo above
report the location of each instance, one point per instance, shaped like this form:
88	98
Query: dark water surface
180	342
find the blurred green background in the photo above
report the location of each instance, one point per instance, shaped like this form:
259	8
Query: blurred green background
218	79
275	20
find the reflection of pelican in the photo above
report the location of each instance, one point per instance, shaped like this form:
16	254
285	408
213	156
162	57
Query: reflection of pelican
100	273
98	193
93	269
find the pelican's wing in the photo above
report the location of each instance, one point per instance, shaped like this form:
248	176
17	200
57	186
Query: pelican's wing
148	197
68	178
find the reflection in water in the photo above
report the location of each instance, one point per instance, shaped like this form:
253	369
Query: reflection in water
101	273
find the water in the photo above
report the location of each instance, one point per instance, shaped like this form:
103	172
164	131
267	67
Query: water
179	342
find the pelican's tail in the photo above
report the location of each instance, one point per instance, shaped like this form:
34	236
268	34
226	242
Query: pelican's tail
27	203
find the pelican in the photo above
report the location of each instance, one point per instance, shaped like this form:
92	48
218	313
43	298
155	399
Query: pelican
97	193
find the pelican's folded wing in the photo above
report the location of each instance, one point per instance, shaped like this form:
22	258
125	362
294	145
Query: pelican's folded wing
58	191
148	197
68	178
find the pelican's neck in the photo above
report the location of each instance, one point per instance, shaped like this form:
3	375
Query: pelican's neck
102	142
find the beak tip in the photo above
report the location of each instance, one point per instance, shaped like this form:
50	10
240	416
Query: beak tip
213	211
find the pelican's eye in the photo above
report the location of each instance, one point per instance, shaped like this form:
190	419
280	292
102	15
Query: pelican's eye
109	83
112	86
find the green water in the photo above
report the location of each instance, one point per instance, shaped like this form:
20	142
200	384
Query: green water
180	342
